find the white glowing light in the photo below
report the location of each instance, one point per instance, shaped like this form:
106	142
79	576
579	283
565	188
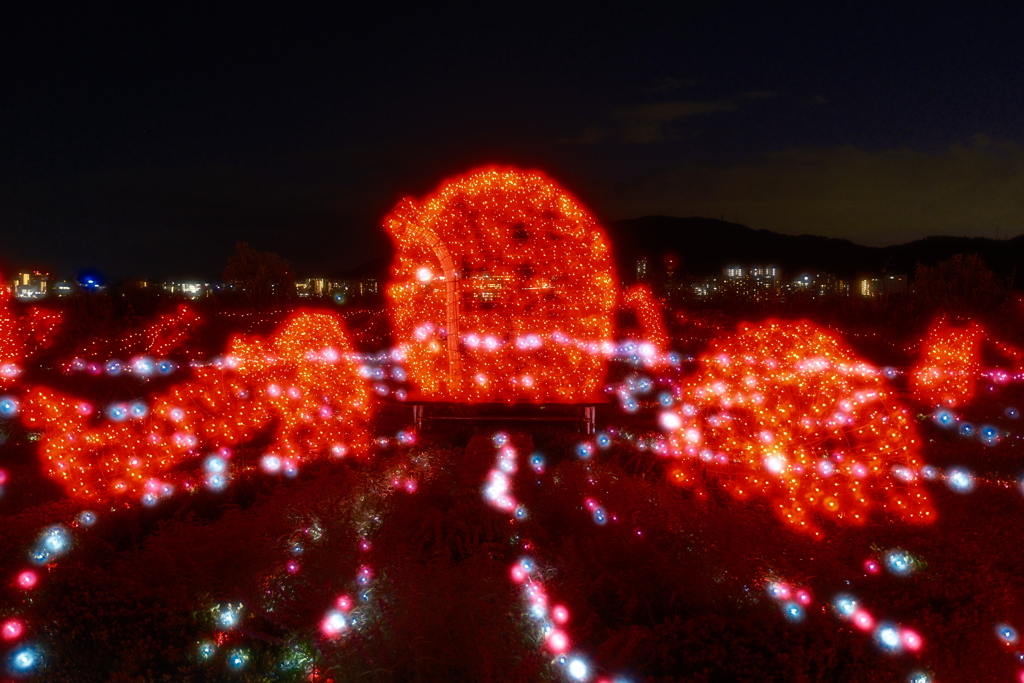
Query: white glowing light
670	421
577	669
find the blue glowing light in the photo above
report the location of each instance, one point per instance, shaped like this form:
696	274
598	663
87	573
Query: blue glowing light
665	399
1011	413
40	555
166	367
215	465
603	440
144	366
899	562
599	516
966	430
216	482
845	605
960	480
206	650
118	412
500	439
919	677
91	280
989	435
537	463
584	450
929	473
137	410
229	616
87	518
113	367
520	513
8	406
1007	634
944	418
793	612
237	659
55	539
887	637
673	359
25	659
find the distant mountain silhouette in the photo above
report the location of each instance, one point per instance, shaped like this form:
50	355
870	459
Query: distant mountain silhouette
705	245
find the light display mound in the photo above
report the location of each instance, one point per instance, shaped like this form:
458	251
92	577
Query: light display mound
303	384
787	412
503	289
12	345
950	363
641	300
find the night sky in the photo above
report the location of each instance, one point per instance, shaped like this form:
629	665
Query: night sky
148	143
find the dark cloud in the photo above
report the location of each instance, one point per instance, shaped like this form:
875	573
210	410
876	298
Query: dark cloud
758	95
666	85
653	122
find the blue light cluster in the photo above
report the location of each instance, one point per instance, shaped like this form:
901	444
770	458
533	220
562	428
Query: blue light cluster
25	659
51	544
960	480
900	562
135	410
216	468
1007	634
8	407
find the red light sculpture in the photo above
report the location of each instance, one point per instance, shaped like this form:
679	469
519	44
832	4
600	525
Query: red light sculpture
303	381
641	301
503	289
786	411
12	345
950	362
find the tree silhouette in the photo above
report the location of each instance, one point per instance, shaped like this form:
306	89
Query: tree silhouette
962	285
258	275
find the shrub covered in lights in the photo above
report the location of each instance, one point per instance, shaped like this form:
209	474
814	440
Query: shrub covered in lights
787	411
12	346
641	301
503	289
303	380
947	371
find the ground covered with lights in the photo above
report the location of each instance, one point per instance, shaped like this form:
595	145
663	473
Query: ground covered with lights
202	492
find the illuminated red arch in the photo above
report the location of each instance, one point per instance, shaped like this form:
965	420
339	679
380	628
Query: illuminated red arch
503	289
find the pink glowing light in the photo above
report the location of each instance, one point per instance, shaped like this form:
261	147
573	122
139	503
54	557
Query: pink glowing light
911	640
863	620
27	579
558	642
12	629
